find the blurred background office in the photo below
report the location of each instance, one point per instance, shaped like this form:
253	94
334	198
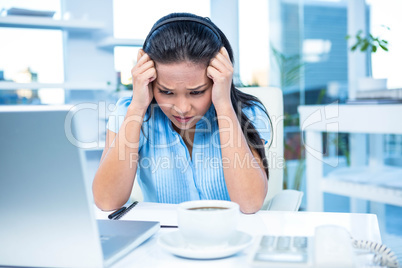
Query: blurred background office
81	52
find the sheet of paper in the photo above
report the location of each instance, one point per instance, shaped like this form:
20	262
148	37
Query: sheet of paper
166	214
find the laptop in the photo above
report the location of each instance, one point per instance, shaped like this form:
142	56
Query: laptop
47	216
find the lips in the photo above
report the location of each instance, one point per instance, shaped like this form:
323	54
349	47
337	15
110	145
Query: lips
182	119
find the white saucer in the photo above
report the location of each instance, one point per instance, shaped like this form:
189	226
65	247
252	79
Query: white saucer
175	244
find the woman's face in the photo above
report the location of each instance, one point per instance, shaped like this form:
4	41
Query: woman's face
183	92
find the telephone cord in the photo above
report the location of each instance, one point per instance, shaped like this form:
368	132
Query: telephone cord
383	255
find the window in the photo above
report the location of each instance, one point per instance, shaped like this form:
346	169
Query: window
30	55
253	42
385	14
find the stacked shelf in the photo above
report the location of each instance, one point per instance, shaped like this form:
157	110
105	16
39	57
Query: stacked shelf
50	24
67	85
71	26
110	42
378	183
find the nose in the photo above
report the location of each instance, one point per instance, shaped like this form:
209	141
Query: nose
182	106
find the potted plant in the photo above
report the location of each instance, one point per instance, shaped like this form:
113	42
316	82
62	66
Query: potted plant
369	44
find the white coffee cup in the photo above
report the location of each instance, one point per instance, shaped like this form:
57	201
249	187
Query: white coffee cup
208	223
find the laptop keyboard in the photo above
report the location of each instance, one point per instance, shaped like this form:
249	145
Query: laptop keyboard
112	244
104	238
117	239
281	249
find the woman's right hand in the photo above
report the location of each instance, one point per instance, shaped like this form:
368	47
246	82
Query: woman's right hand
143	74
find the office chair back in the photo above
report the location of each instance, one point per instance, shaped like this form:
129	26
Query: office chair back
272	98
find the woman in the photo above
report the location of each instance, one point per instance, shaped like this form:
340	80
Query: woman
187	132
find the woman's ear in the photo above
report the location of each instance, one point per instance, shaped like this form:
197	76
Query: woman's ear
141	53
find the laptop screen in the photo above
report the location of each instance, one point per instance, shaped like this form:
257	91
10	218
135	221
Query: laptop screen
46	210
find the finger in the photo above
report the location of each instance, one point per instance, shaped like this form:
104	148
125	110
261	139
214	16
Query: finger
145	79
150	74
212	72
143	58
223	56
140	69
140	54
154	76
144	67
225	53
220	64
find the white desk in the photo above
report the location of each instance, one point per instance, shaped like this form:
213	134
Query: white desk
149	254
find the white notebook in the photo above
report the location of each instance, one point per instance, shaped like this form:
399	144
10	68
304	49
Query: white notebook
166	214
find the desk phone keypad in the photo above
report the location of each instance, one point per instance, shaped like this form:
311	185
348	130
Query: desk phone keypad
281	249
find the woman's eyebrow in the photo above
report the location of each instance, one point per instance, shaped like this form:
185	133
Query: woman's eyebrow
163	87
191	89
199	87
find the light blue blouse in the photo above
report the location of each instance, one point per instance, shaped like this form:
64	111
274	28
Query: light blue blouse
165	172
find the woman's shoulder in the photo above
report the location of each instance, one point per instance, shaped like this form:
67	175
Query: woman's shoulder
122	105
120	108
260	119
118	113
255	109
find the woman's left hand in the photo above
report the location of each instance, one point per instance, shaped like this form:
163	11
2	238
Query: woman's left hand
220	71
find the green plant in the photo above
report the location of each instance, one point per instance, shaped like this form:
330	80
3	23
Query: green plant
340	141
290	68
368	42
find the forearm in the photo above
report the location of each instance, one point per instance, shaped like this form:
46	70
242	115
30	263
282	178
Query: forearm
115	176
245	179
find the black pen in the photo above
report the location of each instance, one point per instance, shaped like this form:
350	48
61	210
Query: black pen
121	214
117	212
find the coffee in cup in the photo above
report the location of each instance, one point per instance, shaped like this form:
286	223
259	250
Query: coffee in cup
208	223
